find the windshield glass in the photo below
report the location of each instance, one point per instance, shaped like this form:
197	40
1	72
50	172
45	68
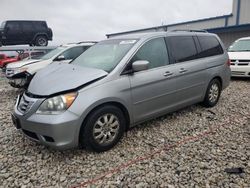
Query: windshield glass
2	25
240	46
105	55
52	53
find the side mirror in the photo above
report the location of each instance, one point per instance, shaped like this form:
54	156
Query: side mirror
60	58
140	65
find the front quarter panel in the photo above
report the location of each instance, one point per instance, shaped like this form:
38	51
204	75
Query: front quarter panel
111	91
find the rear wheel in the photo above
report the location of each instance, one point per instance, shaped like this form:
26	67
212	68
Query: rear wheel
213	93
103	129
41	41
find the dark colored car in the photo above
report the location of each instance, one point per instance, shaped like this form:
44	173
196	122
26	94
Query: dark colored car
16	32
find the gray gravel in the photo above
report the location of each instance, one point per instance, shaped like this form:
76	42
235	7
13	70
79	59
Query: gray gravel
178	162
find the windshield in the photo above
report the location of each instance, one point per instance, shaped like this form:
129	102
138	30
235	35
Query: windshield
2	25
240	46
105	55
52	53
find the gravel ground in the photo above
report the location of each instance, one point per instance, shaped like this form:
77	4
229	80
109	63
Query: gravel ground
188	148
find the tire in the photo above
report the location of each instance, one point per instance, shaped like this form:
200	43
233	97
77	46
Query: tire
212	94
41	41
98	120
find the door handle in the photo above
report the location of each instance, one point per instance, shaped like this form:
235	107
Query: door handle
182	70
168	73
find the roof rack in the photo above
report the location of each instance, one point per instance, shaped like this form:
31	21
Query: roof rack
189	30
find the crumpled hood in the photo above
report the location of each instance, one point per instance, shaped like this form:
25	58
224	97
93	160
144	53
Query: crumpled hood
239	55
58	77
21	63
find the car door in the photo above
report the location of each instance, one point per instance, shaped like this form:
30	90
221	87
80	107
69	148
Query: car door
13	33
27	31
191	70
152	90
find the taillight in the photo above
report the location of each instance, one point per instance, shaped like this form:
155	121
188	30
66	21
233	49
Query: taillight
228	62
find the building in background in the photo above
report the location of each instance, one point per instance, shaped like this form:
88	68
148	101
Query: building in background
228	27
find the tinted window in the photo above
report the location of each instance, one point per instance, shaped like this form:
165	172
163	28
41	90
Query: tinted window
27	26
13	26
153	51
182	48
40	25
210	46
73	53
1	56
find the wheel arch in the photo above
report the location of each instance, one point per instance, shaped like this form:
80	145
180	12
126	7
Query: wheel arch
39	34
113	103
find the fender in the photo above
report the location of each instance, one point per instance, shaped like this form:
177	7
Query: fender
38	34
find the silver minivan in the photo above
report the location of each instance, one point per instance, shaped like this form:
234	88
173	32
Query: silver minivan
119	83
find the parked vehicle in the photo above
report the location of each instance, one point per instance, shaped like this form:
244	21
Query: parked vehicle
119	83
5	60
239	54
15	32
20	73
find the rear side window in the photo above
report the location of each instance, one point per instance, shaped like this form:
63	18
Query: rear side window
182	48
40	25
153	51
210	46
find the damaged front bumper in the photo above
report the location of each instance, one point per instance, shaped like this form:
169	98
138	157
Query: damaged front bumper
20	80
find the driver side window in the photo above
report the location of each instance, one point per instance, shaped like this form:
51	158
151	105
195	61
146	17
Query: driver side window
153	51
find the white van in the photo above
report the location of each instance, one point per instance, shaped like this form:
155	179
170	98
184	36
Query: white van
239	54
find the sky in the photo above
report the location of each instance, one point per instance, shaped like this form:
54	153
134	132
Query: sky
81	20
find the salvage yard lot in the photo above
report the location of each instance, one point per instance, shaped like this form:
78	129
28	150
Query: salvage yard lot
188	148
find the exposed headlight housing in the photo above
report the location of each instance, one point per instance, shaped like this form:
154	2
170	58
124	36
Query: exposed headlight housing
57	104
20	70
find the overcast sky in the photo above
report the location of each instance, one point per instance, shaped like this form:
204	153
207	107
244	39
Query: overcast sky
79	20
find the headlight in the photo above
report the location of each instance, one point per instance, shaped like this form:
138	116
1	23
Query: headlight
58	104
19	70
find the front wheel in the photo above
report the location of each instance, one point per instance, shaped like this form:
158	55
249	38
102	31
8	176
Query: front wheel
103	128
213	93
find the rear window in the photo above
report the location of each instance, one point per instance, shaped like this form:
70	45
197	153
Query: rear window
182	48
210	46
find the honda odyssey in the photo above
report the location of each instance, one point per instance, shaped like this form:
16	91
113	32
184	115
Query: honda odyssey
119	83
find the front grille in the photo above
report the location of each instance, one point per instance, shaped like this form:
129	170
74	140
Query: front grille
24	105
240	62
237	73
